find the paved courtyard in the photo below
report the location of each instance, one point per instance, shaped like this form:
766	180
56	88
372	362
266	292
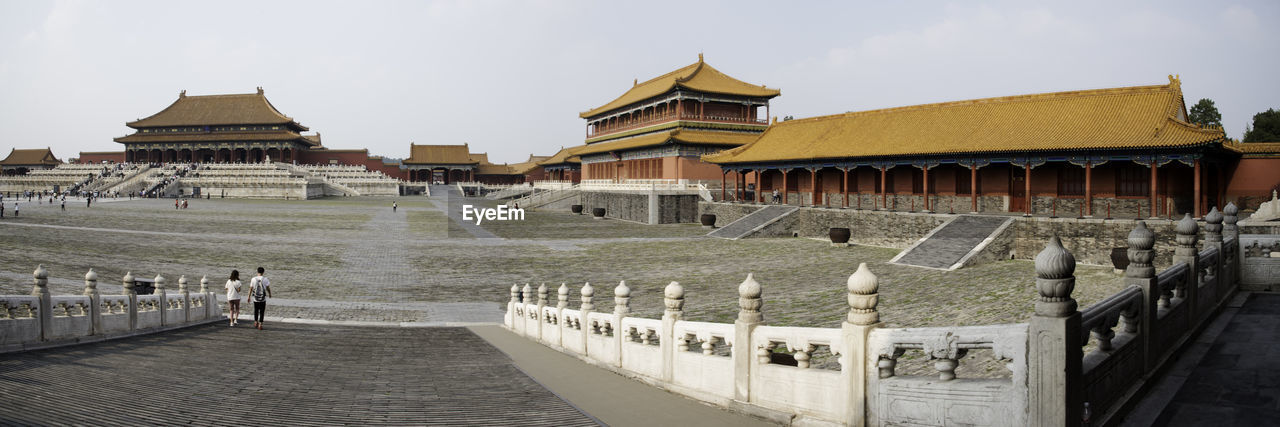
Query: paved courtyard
355	259
287	374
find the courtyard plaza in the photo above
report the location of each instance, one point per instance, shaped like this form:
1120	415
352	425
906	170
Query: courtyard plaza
342	265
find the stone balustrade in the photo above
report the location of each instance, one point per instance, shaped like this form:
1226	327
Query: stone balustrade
42	320
849	375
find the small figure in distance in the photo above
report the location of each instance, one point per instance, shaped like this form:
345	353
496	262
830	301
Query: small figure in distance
393	206
233	297
259	291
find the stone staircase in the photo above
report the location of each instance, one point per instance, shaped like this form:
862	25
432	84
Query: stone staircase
507	193
543	198
951	244
753	222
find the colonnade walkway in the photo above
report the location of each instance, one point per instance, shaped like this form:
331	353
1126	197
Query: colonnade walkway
307	374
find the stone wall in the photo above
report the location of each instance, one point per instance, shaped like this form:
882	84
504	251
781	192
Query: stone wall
672	208
1091	240
292	192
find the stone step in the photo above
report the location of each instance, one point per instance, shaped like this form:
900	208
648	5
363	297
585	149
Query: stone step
947	245
754	221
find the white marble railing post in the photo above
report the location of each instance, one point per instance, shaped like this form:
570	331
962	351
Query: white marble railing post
161	297
621	308
584	315
1142	274
41	291
1055	362
673	299
562	302
1187	253
1229	229
863	298
526	295
186	298
542	302
95	301
132	294
210	301
744	363
1213	239
511	307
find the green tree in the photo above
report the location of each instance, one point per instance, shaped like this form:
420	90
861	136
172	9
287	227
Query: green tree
1266	127
1204	113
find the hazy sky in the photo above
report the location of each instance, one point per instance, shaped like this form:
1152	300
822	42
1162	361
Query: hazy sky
510	77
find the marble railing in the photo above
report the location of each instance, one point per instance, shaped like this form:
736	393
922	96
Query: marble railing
43	320
851	375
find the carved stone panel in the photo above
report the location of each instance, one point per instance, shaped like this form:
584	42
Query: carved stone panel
1260	262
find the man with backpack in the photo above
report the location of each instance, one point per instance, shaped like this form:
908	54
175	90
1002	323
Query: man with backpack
259	291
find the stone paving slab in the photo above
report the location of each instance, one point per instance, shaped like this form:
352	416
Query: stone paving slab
1236	382
287	374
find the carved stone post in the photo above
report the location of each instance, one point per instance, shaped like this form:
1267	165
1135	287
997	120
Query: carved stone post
562	302
45	303
1142	274
127	284
210	303
526	295
1213	239
1229	229
95	301
511	307
743	351
186	298
1187	253
542	303
162	297
1054	385
863	298
586	308
621	308
673	298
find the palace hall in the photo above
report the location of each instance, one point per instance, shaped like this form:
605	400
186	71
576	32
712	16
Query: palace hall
1127	151
660	127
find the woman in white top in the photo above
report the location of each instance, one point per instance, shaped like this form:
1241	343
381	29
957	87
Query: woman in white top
233	296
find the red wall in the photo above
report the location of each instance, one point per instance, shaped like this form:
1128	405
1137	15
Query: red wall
99	157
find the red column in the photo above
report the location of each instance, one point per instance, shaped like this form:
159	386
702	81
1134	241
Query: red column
1154	212
844	188
759	195
813	187
884	195
1027	194
1088	189
723	184
926	188
1196	168
742	189
973	188
700	104
784	186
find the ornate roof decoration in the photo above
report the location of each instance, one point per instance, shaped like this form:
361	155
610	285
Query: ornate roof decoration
1139	117
211	110
698	77
440	155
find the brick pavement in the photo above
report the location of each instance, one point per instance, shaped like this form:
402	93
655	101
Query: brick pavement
287	374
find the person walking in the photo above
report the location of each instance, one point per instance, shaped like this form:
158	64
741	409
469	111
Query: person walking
233	297
259	291
15	209
64	203
393	206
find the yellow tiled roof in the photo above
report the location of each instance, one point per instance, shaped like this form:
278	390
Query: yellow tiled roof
237	109
659	138
481	158
565	155
36	156
1255	149
492	169
698	76
1118	118
439	154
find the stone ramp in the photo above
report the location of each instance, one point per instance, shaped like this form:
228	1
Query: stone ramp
948	245
746	225
287	374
